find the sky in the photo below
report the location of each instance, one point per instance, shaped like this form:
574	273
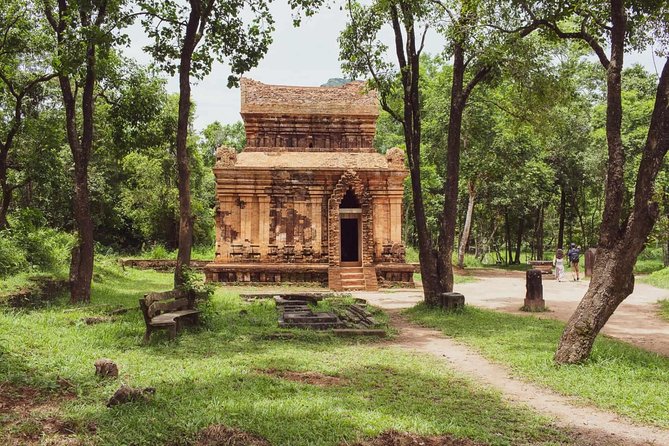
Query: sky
304	56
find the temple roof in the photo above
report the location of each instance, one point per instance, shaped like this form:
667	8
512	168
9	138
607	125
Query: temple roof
312	160
349	99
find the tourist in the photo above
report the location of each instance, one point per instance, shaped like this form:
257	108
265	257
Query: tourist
558	263
574	255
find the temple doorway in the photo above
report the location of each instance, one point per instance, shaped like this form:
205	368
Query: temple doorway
350	240
350	230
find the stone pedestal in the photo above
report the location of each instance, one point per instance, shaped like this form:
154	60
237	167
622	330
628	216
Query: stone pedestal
534	295
590	256
451	301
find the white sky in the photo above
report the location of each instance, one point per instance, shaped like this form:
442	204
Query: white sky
307	56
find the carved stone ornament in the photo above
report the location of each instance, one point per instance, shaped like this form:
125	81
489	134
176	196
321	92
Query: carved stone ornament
226	157
395	158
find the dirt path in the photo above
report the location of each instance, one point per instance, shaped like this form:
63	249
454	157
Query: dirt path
591	426
635	321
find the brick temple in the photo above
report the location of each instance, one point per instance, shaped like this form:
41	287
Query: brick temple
309	199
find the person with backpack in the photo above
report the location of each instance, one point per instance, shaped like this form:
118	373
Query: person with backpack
574	255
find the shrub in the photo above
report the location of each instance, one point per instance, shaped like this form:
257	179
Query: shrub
194	281
46	249
12	257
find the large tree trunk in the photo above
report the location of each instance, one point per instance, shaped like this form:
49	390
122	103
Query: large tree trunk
183	165
408	58
468	224
450	206
612	281
81	266
620	242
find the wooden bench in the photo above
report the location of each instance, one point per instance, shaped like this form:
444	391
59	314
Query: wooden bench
168	310
545	266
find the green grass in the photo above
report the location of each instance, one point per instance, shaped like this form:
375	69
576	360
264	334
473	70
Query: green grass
659	278
648	266
618	377
664	309
160	252
211	376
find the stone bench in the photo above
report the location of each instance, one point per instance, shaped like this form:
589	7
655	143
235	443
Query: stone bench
168	310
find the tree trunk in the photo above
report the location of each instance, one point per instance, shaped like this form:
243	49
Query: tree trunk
81	265
450	205
183	165
507	237
519	240
408	58
612	281
620	242
468	225
540	234
563	204
4	205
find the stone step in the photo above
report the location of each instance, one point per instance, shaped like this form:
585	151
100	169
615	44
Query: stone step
345	282
352	276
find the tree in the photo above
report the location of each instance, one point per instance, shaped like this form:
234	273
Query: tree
217	134
187	38
23	52
475	57
84	31
625	224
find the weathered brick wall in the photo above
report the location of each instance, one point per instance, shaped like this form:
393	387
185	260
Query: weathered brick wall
350	180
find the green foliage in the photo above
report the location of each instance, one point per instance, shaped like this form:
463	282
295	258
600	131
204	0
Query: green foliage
223	375
659	278
231	31
12	257
617	377
30	246
217	134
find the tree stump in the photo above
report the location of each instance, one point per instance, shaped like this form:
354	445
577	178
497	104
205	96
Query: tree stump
590	256
451	301
534	295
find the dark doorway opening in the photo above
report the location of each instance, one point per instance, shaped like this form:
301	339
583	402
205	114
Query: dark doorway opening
349	201
349	240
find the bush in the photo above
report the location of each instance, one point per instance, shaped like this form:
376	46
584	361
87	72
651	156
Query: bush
12	257
194	281
46	249
158	252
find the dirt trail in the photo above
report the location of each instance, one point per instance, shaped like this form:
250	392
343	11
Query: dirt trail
635	321
591	426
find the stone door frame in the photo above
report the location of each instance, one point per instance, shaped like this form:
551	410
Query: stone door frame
350	180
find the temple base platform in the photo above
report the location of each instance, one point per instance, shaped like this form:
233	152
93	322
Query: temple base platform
380	275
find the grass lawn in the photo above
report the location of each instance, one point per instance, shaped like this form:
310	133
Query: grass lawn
229	373
618	377
659	278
